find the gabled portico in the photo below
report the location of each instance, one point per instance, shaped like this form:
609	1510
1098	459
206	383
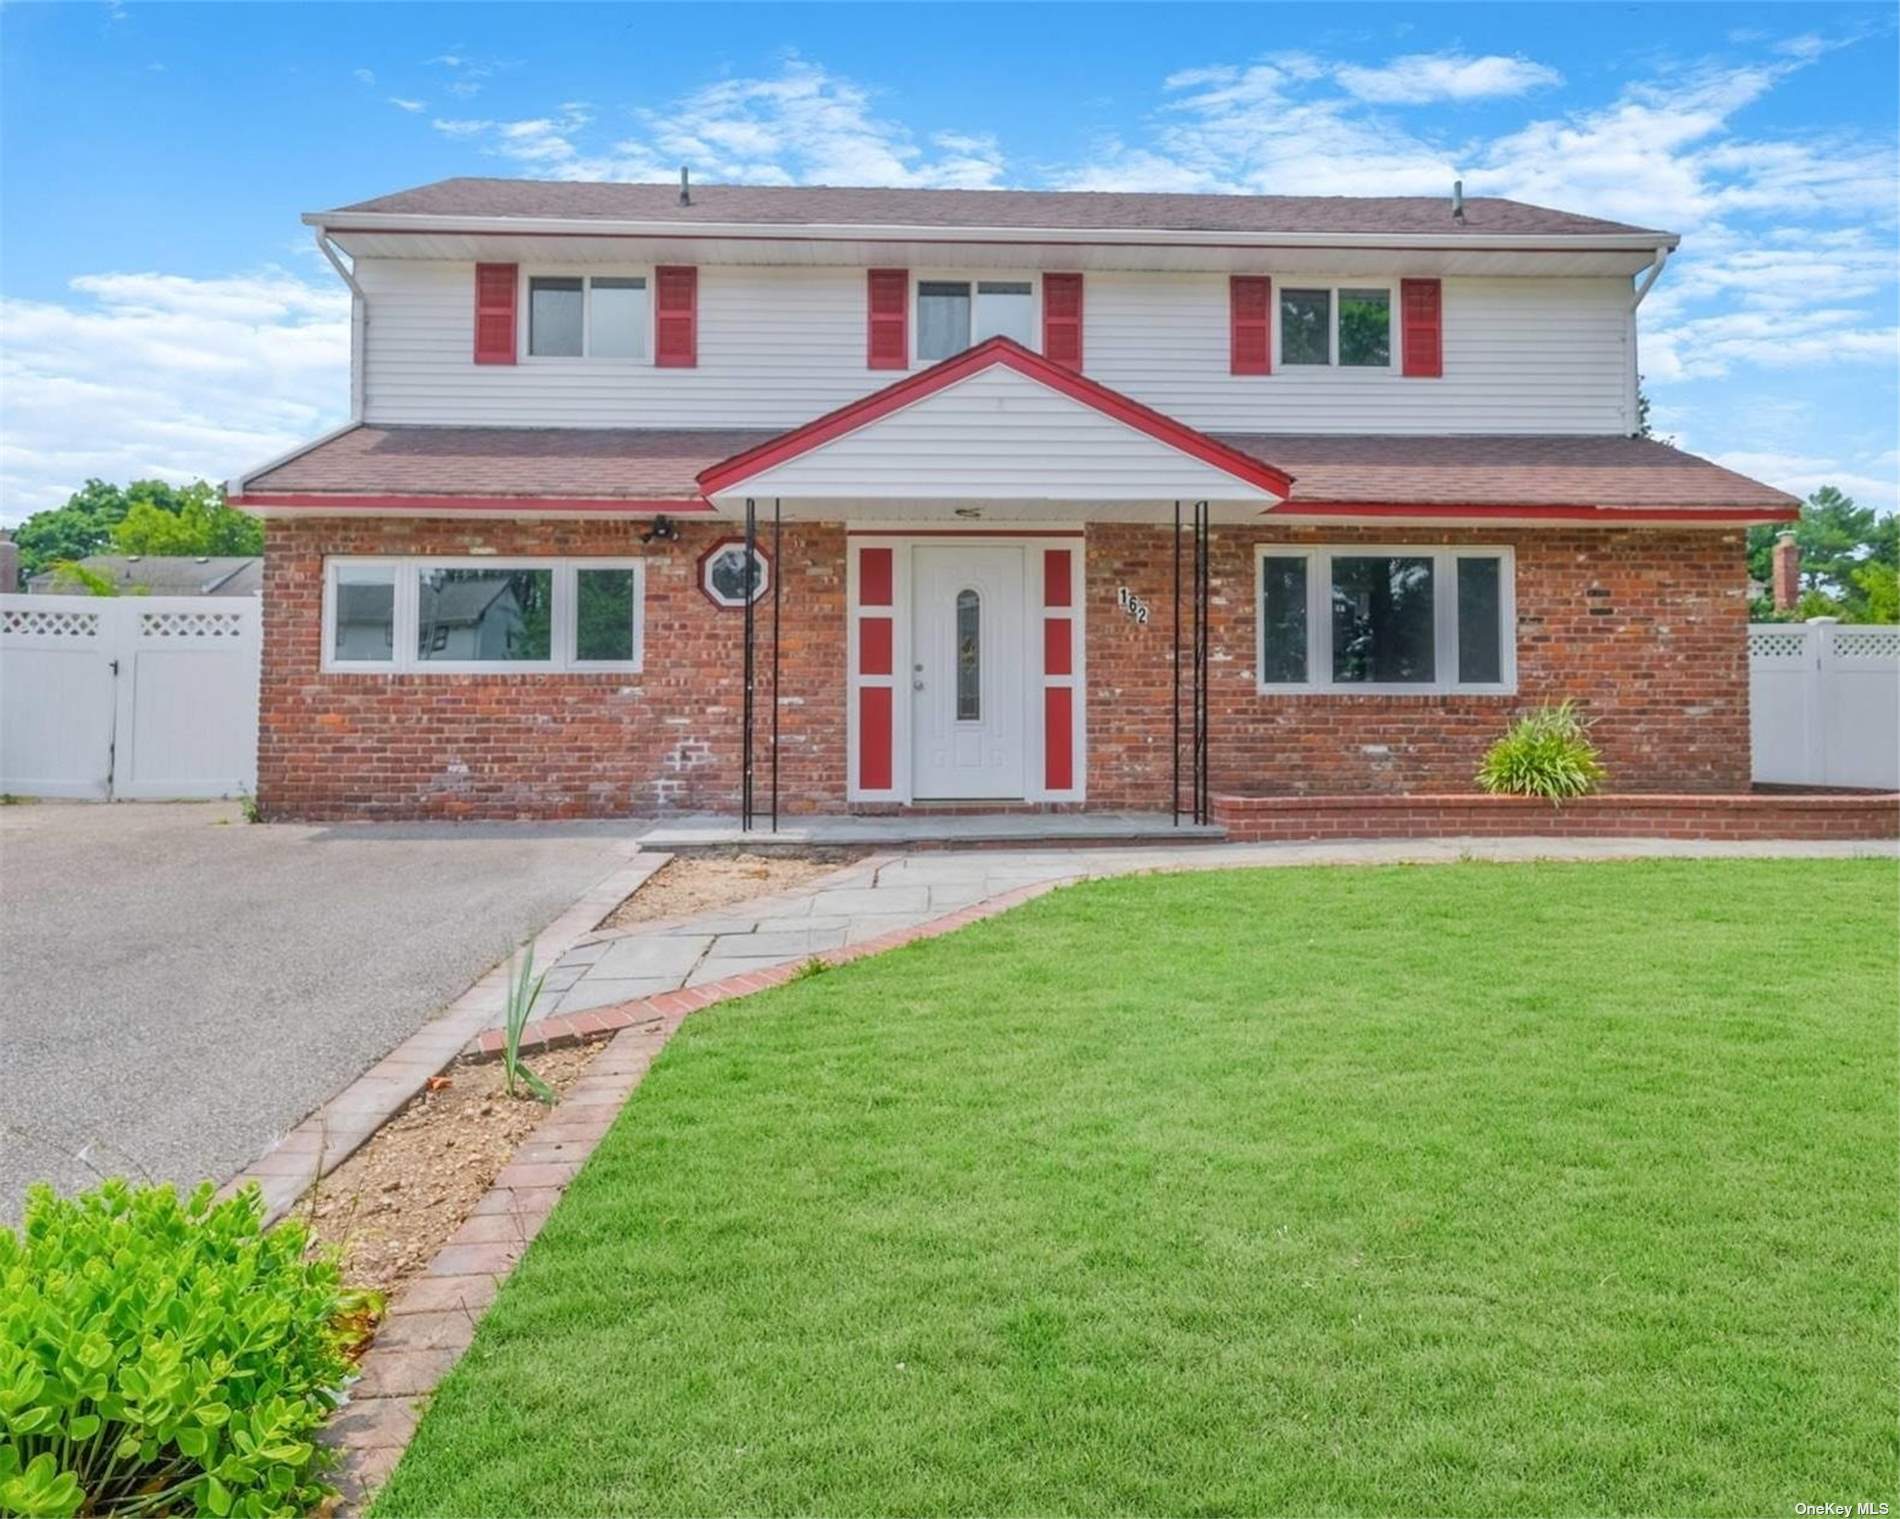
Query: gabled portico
966	492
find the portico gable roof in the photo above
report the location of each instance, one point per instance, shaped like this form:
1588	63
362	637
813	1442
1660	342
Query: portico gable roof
996	422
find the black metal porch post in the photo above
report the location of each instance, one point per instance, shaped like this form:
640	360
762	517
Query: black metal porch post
1206	594
778	577
1174	711
745	702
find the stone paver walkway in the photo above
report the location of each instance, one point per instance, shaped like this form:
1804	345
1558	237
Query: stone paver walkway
886	894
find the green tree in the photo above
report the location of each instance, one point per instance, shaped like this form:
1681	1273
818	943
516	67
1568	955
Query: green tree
82	526
196	522
1850	556
145	517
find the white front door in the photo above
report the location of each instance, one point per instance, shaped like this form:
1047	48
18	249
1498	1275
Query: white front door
968	653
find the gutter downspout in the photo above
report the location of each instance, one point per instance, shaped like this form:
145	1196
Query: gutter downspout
1643	287
359	322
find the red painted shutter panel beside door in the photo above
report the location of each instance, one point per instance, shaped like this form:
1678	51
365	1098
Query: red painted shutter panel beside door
676	316
887	338
495	286
1250	320
1422	328
1062	319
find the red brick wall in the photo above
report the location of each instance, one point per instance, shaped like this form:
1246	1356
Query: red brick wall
1646	629
504	746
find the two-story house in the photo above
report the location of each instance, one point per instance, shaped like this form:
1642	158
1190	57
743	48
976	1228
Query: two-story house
1053	500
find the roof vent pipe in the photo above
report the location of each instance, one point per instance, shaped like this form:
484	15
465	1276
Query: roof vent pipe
686	190
1458	201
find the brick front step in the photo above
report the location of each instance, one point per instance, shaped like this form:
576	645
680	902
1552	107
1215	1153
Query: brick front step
1740	815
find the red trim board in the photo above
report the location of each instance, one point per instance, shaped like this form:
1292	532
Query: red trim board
318	502
1646	516
729	473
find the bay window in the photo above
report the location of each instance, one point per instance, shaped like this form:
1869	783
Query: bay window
1385	620
477	614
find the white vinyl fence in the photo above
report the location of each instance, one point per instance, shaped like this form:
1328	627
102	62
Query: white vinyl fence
134	697
1824	703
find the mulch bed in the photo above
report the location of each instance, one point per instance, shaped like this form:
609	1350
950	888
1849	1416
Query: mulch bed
393	1204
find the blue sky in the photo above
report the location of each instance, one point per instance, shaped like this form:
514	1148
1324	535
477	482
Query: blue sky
165	313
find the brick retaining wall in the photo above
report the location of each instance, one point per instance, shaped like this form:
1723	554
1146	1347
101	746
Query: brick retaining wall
1834	815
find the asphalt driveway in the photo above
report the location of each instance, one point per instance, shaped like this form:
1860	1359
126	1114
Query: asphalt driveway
178	987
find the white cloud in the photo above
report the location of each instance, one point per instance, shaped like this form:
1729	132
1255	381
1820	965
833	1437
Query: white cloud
407	105
803	125
146	375
363	76
1872	481
1419	78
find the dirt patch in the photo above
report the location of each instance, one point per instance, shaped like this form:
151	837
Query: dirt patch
694	883
395	1202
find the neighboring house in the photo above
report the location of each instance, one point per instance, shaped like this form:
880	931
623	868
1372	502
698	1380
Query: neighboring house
967	423
163	575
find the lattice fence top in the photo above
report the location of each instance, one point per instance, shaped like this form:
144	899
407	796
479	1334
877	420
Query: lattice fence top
49	622
191	625
1866	643
1777	643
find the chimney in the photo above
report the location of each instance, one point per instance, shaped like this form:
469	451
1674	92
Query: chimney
686	190
1785	578
1458	201
9	564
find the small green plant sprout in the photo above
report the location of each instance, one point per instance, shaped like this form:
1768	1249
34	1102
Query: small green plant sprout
247	806
1547	753
815	966
523	987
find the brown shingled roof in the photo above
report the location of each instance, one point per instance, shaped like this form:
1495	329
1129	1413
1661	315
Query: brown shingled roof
1490	470
509	461
1504	469
1065	210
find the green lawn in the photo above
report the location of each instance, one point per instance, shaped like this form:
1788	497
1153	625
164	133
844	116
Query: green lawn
1464	1189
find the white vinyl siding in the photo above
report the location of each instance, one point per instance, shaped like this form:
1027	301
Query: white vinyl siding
779	345
999	436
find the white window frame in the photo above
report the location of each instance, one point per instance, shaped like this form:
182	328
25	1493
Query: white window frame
964	277
1319	619
563	631
1284	283
586	275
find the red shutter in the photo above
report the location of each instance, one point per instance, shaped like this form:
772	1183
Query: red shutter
676	316
887	339
1062	319
495	286
1250	323
1422	331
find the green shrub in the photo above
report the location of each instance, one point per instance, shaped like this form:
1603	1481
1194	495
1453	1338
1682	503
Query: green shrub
1547	754
163	1357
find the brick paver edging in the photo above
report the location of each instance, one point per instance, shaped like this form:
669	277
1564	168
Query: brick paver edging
331	1134
671	1007
432	1321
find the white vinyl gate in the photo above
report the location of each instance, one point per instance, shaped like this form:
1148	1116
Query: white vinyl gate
132	697
1824	703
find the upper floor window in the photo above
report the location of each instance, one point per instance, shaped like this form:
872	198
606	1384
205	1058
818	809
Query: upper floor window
1341	326
587	316
954	314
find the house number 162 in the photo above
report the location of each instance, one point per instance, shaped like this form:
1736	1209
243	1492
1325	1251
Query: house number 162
1132	604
